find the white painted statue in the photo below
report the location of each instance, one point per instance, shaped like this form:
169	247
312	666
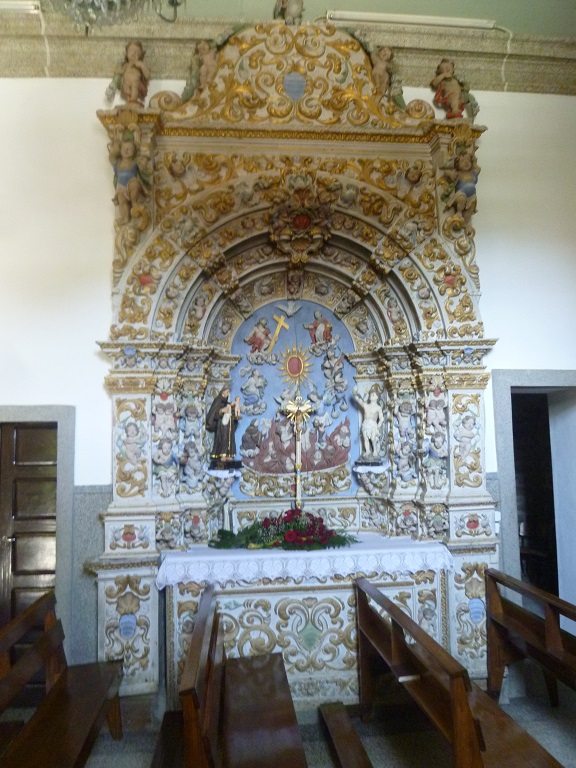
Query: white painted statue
372	422
289	10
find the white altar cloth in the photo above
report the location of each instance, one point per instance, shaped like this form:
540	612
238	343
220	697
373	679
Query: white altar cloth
373	553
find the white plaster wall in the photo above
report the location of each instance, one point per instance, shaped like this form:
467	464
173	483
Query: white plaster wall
525	234
56	246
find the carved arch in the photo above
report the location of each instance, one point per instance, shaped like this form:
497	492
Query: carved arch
364	257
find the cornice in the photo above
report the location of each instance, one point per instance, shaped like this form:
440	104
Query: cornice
491	60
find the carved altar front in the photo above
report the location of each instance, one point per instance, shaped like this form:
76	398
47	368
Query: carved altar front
301	605
290	226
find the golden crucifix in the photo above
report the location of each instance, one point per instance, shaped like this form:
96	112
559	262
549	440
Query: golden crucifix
298	411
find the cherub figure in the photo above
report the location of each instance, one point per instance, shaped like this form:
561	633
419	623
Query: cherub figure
133	442
435	461
164	419
386	81
191	461
411	181
381	59
436	414
208	68
405	462
427	617
289	10
393	310
130	176
452	93
132	76
460	195
165	466
404	414
202	69
190	422
465	435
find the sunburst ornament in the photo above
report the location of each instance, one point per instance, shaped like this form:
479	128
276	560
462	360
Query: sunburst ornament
295	365
299	410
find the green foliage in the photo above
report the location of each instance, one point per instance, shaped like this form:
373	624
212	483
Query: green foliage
293	529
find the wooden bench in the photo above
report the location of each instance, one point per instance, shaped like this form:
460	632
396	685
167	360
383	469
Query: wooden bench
481	734
236	713
515	632
63	728
347	748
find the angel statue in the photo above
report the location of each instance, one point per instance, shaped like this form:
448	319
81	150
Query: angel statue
385	76
202	70
452	93
131	76
289	10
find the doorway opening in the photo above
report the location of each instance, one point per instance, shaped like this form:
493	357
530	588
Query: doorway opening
559	389
535	489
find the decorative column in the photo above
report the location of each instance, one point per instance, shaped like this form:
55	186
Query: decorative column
126	572
473	537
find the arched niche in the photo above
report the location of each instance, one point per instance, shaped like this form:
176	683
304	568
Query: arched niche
209	268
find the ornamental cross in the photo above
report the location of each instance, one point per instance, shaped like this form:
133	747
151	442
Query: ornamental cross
280	324
298	411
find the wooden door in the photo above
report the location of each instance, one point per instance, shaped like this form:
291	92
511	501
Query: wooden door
28	470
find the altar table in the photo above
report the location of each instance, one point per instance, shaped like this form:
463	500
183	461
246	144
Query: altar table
302	605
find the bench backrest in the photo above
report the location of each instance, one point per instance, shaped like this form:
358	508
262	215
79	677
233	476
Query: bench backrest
553	607
433	677
47	652
555	647
201	686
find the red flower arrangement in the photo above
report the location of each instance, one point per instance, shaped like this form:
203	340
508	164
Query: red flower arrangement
293	529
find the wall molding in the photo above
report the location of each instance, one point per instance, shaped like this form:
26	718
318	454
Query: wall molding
49	45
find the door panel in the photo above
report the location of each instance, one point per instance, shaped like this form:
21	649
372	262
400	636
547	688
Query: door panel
34	555
34	444
35	498
28	470
28	466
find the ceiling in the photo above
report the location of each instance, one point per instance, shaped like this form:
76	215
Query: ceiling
543	18
531	49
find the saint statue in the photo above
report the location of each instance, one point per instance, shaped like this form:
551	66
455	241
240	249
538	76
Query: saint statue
372	423
320	329
222	419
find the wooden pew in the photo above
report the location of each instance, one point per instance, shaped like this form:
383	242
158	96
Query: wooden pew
346	746
63	728
481	734
516	632
236	713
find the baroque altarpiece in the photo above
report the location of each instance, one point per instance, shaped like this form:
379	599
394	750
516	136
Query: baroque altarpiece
291	227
